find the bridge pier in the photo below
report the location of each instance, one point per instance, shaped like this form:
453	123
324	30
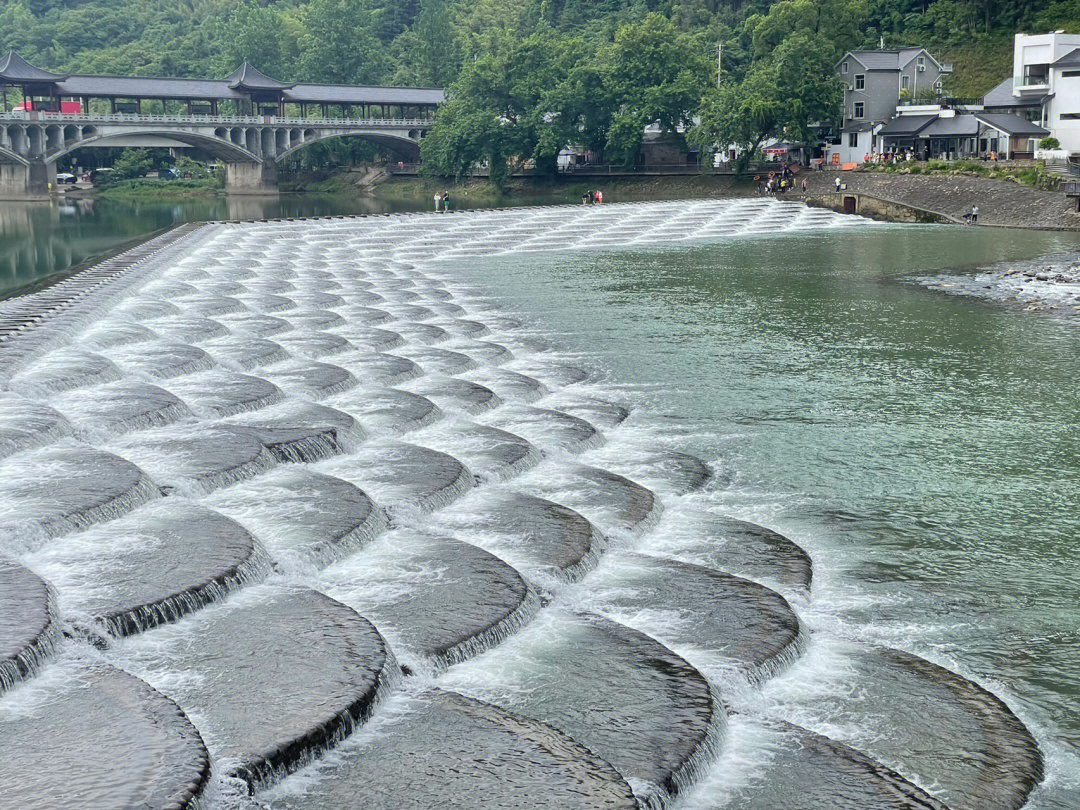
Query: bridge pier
250	177
27	182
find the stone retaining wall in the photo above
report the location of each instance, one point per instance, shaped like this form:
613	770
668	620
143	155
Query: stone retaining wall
949	197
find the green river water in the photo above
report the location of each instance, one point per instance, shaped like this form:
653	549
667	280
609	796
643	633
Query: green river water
922	447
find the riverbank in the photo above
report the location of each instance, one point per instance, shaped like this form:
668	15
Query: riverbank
478	192
152	189
945	198
891	197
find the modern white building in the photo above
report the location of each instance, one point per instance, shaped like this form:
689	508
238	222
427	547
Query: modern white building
1044	86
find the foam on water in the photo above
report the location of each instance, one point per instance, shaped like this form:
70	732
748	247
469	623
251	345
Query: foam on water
90	735
439	600
25	425
304	517
159	563
50	492
271	677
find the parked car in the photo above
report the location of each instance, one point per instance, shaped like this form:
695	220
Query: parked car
99	174
66	178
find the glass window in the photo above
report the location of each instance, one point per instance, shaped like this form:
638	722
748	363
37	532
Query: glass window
921	61
1070	116
860	81
859	110
905	82
844	67
853	140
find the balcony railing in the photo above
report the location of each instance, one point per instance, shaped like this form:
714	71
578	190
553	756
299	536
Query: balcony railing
1031	82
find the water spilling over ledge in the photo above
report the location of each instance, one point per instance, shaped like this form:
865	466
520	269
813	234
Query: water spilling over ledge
266	462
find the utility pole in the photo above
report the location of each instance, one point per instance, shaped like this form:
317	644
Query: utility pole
719	57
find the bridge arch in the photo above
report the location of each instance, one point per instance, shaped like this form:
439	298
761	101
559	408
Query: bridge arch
221	148
404	146
7	156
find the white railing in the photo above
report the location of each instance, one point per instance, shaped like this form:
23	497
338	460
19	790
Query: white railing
202	120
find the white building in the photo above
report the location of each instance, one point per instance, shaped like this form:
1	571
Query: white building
1045	85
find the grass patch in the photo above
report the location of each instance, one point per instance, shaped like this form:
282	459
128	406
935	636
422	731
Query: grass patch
1034	176
151	189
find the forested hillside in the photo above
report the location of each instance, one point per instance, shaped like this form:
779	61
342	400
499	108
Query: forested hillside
528	76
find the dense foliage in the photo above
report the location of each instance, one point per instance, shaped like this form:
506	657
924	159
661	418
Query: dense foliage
528	77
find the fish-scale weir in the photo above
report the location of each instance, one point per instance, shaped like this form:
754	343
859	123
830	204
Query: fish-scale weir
348	457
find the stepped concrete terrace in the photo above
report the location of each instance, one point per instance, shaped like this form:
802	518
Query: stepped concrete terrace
304	561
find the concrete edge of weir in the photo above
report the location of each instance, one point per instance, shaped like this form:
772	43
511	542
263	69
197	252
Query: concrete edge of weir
72	298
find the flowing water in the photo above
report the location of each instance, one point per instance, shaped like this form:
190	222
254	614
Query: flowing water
700	505
40	239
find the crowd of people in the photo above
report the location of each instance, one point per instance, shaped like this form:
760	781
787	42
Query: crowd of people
779	182
907	156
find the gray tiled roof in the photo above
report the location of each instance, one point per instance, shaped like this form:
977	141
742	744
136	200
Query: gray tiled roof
205	89
888	58
346	94
905	125
1069	60
250	78
1012	124
13	68
1002	96
857	126
957	125
139	86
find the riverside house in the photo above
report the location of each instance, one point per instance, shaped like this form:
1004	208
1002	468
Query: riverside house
1044	86
875	82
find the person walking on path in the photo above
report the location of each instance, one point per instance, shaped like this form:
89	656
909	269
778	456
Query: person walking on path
838	183
438	201
446	202
974	215
804	185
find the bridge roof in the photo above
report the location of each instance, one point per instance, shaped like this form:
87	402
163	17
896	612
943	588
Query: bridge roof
209	89
14	70
251	78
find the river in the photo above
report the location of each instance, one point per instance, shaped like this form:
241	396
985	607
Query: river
538	449
923	447
38	240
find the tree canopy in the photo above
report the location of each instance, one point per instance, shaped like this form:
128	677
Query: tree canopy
528	77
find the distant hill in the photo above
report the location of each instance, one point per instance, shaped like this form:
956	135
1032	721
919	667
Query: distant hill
425	41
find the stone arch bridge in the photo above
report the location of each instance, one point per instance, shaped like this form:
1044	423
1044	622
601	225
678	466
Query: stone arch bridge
250	147
248	120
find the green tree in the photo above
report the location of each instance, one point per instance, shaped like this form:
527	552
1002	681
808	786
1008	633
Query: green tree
652	73
434	50
259	34
339	44
784	97
131	164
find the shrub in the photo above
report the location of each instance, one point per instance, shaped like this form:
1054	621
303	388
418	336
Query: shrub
1050	143
132	163
936	166
915	170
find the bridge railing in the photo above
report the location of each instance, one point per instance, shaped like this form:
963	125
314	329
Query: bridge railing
233	120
